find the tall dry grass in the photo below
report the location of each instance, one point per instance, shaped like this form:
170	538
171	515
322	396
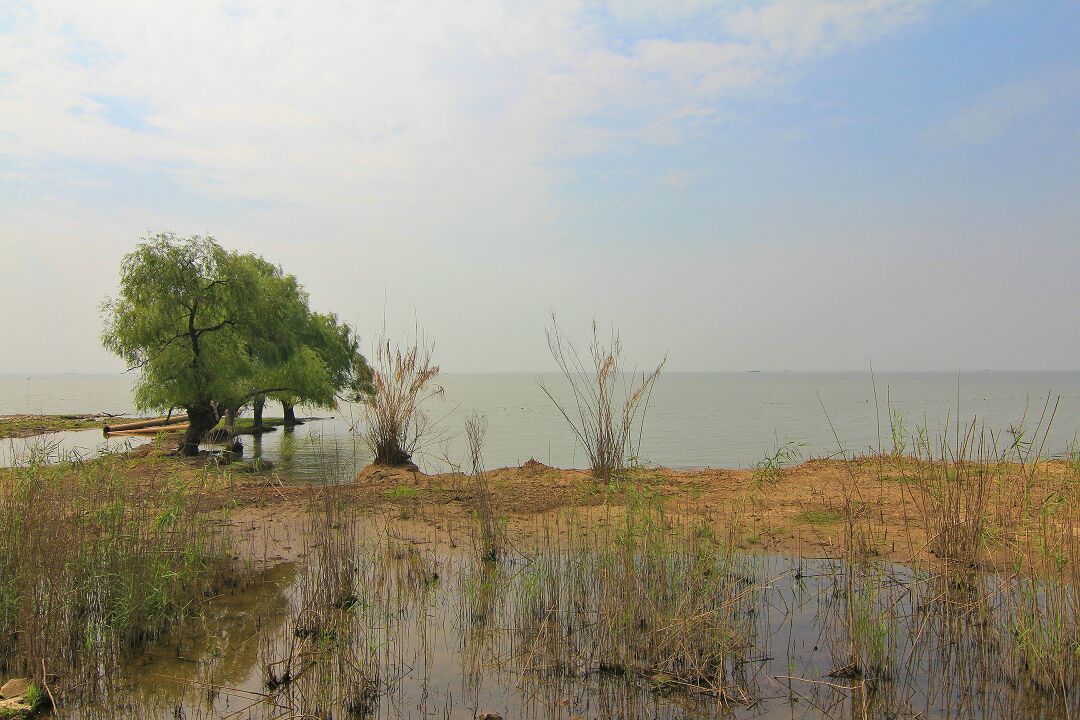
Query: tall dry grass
648	598
988	601
490	538
403	379
607	403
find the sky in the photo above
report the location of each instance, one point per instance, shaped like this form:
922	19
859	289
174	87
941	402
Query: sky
774	185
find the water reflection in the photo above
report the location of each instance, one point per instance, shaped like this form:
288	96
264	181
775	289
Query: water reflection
316	452
379	622
63	446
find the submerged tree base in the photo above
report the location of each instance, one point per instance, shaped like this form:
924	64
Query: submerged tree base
201	420
394	457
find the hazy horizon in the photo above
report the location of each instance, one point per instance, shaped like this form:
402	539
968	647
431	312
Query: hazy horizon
804	186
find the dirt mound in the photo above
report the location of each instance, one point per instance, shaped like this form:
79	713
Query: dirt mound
383	474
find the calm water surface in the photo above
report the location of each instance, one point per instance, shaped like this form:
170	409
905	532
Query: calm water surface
695	419
468	642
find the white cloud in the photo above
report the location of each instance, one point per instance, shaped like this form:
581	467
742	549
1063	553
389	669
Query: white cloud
802	30
676	179
991	114
385	135
327	102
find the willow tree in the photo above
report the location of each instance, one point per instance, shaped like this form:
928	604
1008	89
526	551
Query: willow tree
329	367
325	367
280	361
198	323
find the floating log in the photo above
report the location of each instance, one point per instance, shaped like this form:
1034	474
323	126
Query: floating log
160	422
151	430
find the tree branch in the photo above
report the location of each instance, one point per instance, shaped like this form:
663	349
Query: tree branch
215	328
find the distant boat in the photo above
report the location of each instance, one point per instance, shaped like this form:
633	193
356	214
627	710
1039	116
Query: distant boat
757	371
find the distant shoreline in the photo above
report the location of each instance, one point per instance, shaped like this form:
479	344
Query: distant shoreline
29	425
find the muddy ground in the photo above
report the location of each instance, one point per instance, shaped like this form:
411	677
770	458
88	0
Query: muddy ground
815	509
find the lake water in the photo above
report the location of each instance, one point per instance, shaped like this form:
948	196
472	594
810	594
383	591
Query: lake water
695	419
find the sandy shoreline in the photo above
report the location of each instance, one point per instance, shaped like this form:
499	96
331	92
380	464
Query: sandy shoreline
809	510
813	509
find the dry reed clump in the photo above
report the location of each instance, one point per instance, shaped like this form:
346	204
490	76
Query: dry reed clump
954	491
403	378
605	405
94	563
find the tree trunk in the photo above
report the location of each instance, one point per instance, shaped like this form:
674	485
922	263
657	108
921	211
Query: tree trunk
289	413
201	420
230	421
257	413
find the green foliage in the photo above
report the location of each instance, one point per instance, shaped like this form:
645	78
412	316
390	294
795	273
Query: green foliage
327	364
403	493
211	330
770	468
94	561
36	698
870	622
636	479
819	517
186	318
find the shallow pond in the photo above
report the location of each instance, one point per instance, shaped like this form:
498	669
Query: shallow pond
379	620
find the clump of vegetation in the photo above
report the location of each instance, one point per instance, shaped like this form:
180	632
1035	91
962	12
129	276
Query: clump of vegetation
211	331
653	599
865	633
402	380
94	563
974	498
403	493
770	468
819	517
607	403
321	664
1002	577
490	537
